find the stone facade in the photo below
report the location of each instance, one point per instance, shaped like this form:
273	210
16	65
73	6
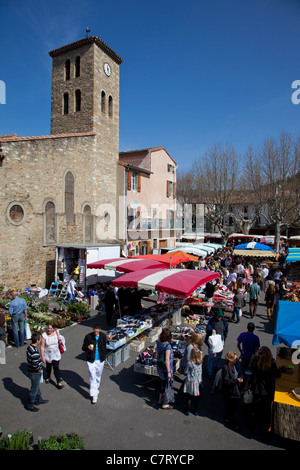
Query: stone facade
53	186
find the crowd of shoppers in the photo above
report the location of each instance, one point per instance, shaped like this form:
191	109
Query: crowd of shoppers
250	367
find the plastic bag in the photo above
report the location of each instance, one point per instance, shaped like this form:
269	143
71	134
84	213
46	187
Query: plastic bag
27	330
215	343
169	393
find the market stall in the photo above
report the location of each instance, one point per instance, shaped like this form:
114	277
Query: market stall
168	258
126	265
293	255
175	282
73	259
178	282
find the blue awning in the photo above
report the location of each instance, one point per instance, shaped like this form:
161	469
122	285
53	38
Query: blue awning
287	328
293	256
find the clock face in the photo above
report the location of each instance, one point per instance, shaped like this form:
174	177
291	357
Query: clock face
107	69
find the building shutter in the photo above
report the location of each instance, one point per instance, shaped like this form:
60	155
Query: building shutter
129	180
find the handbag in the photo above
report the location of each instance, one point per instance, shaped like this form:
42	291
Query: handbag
60	344
248	396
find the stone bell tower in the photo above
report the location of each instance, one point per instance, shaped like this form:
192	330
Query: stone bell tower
85	88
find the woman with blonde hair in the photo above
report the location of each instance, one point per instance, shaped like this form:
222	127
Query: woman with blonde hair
193	341
262	383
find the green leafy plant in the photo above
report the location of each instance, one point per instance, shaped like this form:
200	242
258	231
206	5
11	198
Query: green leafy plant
20	440
62	442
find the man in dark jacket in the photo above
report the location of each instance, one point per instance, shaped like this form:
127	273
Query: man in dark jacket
94	345
217	325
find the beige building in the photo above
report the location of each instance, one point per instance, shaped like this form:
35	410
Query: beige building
147	189
62	188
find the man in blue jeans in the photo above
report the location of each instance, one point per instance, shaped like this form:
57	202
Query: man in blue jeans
18	314
34	369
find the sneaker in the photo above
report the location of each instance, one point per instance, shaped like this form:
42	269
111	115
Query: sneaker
94	400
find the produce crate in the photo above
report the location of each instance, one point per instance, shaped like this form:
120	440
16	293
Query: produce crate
125	352
137	346
148	370
114	358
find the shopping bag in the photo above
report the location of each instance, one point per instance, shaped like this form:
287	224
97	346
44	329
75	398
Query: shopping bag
168	393
248	396
27	330
61	343
215	343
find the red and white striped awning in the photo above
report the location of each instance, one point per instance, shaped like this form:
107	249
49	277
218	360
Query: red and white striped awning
178	282
126	265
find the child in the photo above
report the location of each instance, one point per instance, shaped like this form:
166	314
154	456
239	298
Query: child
193	381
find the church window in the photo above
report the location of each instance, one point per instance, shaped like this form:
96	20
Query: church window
69	197
67	69
66	103
16	213
77	100
110	106
87	214
50	222
77	67
103	101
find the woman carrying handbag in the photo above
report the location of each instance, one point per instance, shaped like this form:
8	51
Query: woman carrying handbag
51	354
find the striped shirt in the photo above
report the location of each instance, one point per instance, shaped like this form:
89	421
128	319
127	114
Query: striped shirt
34	361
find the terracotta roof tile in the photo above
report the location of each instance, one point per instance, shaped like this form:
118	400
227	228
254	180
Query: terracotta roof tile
15	138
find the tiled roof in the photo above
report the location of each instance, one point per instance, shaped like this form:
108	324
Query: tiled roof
15	138
150	149
85	41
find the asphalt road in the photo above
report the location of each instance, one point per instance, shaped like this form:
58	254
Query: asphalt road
126	417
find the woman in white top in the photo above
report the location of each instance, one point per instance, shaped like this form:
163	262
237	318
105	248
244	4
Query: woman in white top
232	280
50	353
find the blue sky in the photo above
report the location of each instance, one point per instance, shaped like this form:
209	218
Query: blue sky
195	72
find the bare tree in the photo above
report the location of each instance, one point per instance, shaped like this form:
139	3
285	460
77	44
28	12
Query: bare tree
278	165
216	179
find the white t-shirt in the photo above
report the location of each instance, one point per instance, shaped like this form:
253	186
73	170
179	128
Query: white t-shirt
71	287
265	273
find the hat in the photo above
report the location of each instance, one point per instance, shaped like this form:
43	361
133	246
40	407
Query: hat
218	312
251	326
